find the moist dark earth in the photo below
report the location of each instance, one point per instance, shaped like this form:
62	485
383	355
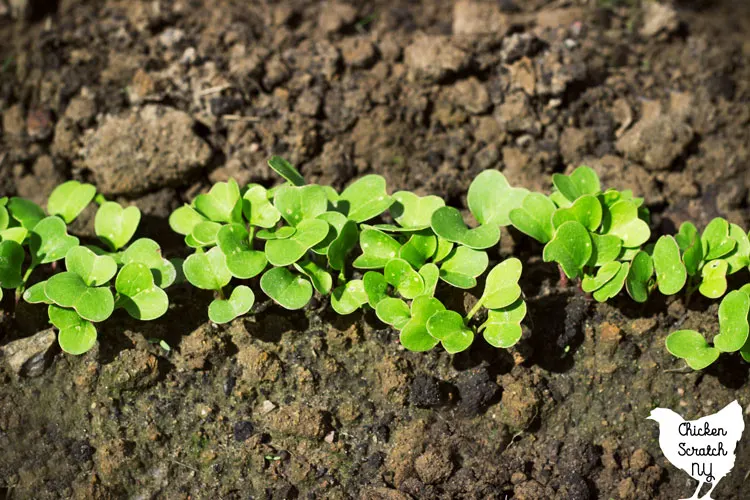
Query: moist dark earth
154	101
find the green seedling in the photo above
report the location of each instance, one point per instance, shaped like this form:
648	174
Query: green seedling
394	312
297	204
587	210
430	275
714	279
571	248
76	335
243	262
69	199
115	225
147	252
286	170
448	223
449	328
285	288
365	199
138	294
24	213
739	258
238	304
491	198
693	348
639	281
605	248
501	288
49	241
258	209
321	279
376	288
207	270
222	203
285	252
414	335
582	181
534	217
670	271
691	247
503	326
716	241
622	220
11	260
404	278
184	219
414	212
347	298
733	322
279	233
377	249
419	248
463	266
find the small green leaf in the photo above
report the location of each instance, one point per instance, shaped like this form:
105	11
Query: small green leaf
17	234
639	279
138	294
449	225
587	210
147	251
430	275
35	294
733	324
77	335
285	288
95	270
503	326
603	275
222	203
207	270
375	287
204	233
347	298
296	204
449	328
404	278
280	233
238	304
258	209
67	289
69	199
582	181
571	248
309	232
321	279
336	222
692	249
714	279
377	249
11	260
4	217
444	248
604	248
501	288
534	217
286	170
115	225
342	245
365	198
692	347
738	258
491	198
25	212
715	239
393	312
612	287
670	271
414	212
621	220
242	261
420	247
463	266
50	241
184	219
414	335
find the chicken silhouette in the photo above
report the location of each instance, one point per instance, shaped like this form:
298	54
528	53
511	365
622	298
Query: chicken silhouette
703	448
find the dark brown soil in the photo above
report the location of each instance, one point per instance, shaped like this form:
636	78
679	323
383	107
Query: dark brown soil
153	101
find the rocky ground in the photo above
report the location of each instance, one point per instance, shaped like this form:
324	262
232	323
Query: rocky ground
153	101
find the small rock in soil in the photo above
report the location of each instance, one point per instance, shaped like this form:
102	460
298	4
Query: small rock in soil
196	348
299	420
658	18
132	369
433	58
145	149
476	390
30	356
425	392
433	466
640	459
243	430
656	142
258	365
472	17
519	404
358	52
335	16
471	95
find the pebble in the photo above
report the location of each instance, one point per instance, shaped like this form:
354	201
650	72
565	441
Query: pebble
29	356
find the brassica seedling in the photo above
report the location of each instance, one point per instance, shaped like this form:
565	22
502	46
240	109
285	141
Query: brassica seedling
670	271
491	198
570	247
693	348
240	302
463	266
69	199
503	326
394	312
287	289
449	328
582	181
414	335
534	217
404	278
377	249
365	198
414	212
448	223
347	298
116	225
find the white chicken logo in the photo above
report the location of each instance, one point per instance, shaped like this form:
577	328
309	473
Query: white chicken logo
703	448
